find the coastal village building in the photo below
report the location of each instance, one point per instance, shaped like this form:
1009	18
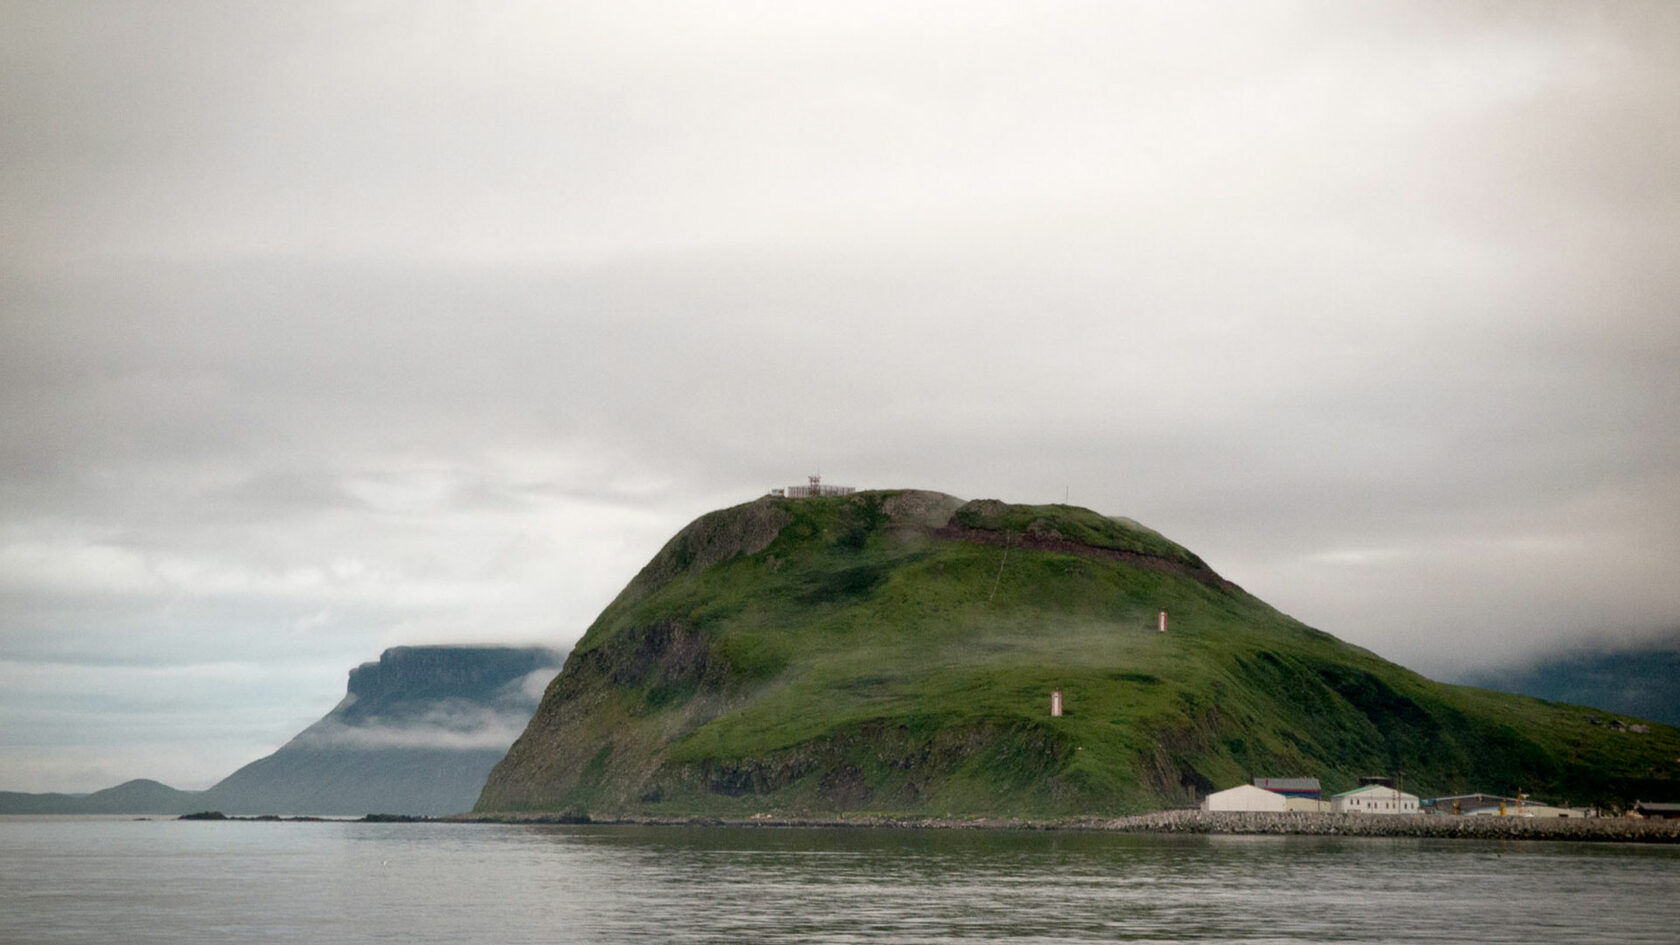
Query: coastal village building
1374	799
1246	797
1547	810
1661	811
1291	787
1299	794
1464	804
1494	805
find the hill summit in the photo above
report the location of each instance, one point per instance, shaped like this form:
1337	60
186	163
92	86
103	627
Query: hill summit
896	652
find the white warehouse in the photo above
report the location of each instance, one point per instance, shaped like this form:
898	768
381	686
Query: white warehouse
1247	797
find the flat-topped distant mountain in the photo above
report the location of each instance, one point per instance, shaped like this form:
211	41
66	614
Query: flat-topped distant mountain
896	652
416	733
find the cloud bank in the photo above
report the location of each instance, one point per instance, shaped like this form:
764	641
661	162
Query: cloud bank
329	327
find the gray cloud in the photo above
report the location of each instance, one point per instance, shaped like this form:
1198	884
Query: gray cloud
330	327
443	724
455	724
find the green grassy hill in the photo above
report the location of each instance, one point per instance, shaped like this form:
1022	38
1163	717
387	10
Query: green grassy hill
894	652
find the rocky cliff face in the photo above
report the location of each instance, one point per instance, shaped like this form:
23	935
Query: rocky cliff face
416	733
414	682
895	652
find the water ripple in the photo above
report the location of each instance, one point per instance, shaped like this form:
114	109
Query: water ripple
95	880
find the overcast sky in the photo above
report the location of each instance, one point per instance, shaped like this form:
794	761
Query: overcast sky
334	326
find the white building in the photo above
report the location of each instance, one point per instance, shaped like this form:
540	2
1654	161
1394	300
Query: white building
1374	799
1246	797
1531	810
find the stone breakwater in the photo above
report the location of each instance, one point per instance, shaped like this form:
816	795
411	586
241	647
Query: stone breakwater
1613	829
1601	829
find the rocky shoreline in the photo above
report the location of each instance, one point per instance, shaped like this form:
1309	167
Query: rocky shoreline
1602	829
1595	829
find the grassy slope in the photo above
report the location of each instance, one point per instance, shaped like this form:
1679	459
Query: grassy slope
860	662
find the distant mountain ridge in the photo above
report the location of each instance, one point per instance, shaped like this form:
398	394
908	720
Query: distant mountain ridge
139	796
417	732
1641	681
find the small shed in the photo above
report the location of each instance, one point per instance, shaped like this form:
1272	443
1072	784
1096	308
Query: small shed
1245	797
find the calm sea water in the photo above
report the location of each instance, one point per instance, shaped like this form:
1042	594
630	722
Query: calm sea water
110	880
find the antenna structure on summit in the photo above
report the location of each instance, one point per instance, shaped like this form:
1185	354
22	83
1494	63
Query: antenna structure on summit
813	489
